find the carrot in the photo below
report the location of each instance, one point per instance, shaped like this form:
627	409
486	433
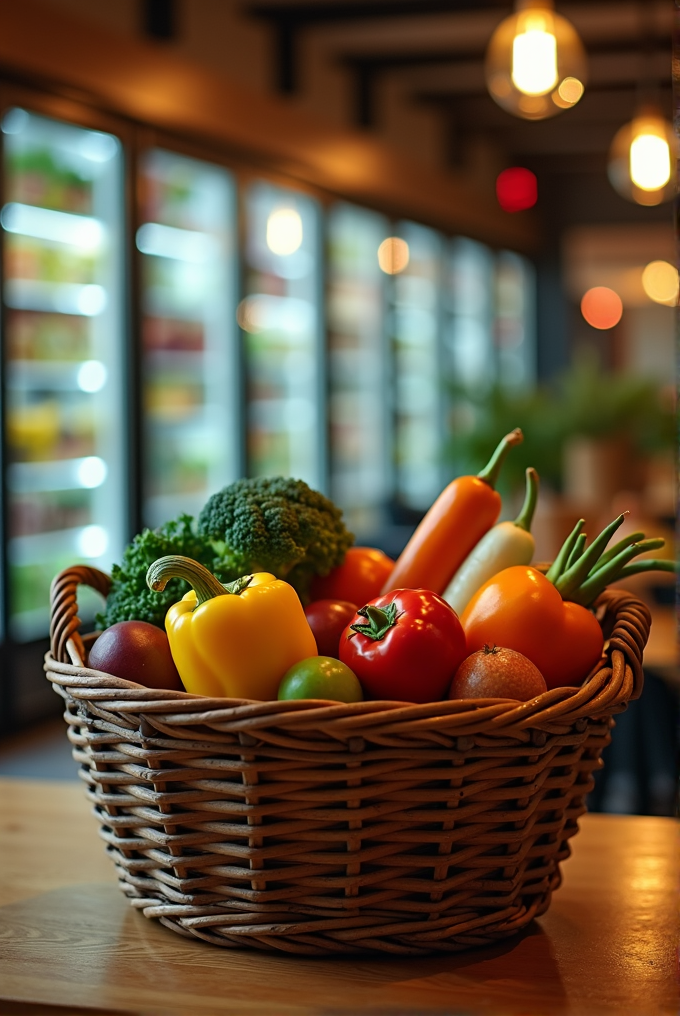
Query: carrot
464	511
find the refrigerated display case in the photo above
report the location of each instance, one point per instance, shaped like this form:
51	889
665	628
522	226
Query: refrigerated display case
515	325
469	330
65	480
191	429
281	316
358	374
417	391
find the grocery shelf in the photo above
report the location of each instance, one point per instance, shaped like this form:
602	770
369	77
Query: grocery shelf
83	542
88	471
87	376
88	300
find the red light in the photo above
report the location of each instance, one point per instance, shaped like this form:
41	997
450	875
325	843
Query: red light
516	189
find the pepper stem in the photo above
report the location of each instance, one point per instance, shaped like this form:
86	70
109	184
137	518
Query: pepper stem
203	582
526	515
493	467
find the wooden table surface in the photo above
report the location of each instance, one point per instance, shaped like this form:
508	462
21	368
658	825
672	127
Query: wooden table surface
70	942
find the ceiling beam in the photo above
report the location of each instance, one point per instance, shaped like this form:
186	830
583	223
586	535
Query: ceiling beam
368	71
289	19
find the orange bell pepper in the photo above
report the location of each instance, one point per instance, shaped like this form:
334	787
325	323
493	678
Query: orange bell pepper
520	609
546	617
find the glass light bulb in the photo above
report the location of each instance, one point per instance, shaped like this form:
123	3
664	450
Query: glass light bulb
650	162
534	60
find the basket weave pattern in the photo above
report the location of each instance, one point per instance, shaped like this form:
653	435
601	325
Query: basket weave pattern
315	828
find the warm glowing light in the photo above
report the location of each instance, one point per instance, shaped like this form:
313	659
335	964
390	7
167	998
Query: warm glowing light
602	307
568	93
516	189
284	231
641	158
393	255
535	63
660	282
650	162
534	58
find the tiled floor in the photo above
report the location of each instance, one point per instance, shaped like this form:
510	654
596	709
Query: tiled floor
42	753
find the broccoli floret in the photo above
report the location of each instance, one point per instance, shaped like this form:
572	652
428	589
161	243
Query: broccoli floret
275	524
130	598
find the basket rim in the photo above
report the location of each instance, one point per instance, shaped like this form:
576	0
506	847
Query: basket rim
613	681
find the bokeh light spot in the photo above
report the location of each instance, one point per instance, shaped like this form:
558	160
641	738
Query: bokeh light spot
660	282
568	93
284	231
393	255
516	189
602	307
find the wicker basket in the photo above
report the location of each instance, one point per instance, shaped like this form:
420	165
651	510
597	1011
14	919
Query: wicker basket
321	828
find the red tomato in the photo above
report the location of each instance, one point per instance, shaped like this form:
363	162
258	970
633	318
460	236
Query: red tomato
358	579
328	619
405	646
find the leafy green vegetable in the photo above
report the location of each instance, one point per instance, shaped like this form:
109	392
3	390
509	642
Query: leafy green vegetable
275	524
130	598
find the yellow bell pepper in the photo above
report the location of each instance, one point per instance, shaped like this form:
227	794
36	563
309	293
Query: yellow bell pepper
235	640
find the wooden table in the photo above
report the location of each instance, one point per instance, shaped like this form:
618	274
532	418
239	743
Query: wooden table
70	942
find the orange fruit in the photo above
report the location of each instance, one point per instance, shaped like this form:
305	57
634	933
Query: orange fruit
495	672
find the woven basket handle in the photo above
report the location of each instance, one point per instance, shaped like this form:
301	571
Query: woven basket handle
66	643
626	621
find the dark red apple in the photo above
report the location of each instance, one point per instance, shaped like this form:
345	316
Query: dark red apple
136	651
328	619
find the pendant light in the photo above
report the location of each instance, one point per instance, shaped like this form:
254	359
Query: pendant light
641	164
535	62
642	156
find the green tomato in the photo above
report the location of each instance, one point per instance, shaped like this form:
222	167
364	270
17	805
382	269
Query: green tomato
321	677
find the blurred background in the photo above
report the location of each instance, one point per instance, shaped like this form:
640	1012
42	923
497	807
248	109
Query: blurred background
353	241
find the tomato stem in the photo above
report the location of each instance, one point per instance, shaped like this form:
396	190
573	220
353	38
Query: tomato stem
380	620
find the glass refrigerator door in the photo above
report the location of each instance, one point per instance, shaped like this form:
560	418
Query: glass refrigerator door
470	297
64	358
191	413
281	316
515	321
357	367
470	364
417	388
